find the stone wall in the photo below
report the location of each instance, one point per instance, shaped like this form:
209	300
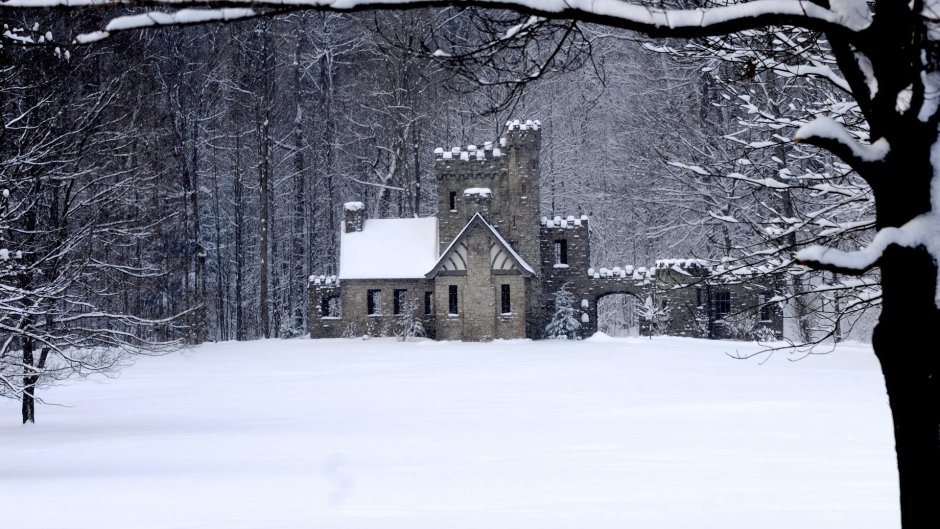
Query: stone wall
479	315
355	320
691	295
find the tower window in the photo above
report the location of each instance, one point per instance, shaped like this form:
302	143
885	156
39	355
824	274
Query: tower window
452	300
505	299
374	302
453	201
766	311
722	304
561	252
399	300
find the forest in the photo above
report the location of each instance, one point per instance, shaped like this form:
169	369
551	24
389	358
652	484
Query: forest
181	185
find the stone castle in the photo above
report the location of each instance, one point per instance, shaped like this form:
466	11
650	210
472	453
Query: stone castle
488	265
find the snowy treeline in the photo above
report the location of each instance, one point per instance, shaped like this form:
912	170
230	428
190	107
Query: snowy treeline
182	184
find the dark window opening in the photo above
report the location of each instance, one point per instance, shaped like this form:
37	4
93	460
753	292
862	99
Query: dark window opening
505	299
428	303
330	307
373	302
400	300
698	297
452	300
722	303
453	201
561	252
766	309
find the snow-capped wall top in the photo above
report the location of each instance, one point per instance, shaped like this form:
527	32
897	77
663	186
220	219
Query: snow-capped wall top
327	281
389	249
528	124
634	273
726	271
481	191
683	263
567	222
353	206
470	152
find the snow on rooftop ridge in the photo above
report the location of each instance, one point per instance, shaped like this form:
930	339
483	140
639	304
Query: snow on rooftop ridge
516	124
481	191
353	206
564	222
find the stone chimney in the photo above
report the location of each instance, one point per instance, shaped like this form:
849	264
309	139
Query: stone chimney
354	216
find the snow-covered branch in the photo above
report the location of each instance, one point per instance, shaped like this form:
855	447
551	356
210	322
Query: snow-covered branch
848	15
825	132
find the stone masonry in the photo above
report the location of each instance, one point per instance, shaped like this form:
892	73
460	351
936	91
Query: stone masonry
500	263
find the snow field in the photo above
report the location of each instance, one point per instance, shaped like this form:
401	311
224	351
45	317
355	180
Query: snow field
349	434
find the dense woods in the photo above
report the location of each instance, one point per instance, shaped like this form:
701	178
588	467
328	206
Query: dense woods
179	185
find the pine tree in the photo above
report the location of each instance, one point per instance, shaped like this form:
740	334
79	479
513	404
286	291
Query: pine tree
565	322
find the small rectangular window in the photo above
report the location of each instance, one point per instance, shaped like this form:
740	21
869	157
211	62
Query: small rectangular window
766	309
373	302
722	303
561	252
453	201
698	297
505	299
452	300
400	300
428	303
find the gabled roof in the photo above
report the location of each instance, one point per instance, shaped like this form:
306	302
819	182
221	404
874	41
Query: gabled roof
389	249
478	220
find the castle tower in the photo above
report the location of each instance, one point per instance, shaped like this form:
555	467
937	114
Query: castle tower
523	141
499	180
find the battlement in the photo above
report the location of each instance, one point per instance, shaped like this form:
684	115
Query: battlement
714	272
323	281
469	153
490	156
634	273
565	223
520	125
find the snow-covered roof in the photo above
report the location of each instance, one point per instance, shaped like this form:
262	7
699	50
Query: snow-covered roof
478	220
389	249
353	206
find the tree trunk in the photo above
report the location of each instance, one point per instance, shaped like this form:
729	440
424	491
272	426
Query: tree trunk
909	319
29	384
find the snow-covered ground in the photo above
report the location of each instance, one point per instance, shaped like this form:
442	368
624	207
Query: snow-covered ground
350	434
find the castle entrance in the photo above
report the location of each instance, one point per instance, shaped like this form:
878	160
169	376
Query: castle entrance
618	315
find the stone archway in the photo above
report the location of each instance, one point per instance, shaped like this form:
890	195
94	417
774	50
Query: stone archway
618	313
592	290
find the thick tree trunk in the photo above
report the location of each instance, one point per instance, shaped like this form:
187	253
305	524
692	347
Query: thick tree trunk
905	344
904	339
